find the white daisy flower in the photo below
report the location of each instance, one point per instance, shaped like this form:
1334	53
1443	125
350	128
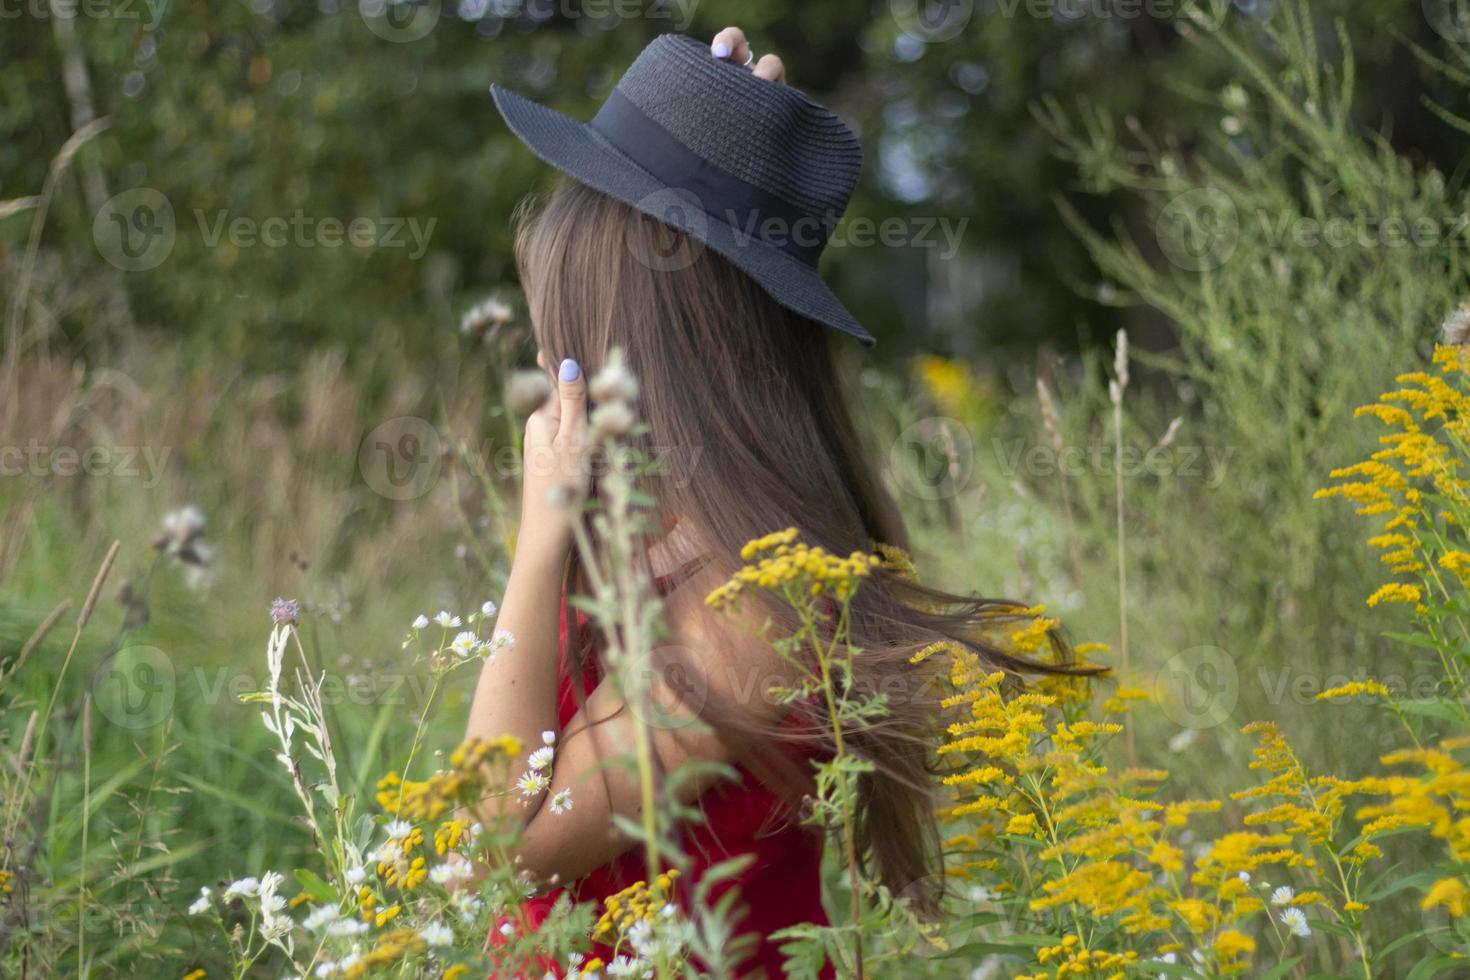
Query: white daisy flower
531	783
1283	895
356	875
548	738
204	903
347	927
420	622
464	644
541	758
437	934
488	608
627	966
448	620
321	916
398	829
243	888
500	640
561	801
466	905
1296	920
453	867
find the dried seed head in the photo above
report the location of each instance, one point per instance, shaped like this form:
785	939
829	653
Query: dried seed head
27	742
614	382
1455	331
527	390
1120	359
102	571
486	317
613	418
1049	417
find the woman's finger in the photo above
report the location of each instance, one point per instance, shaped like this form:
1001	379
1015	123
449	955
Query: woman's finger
730	45
770	67
571	391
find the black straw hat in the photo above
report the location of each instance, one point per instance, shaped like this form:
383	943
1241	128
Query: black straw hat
752	168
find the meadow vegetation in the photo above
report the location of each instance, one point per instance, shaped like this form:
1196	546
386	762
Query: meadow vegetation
1270	782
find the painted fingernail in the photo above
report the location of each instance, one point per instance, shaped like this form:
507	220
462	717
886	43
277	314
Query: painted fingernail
721	49
570	370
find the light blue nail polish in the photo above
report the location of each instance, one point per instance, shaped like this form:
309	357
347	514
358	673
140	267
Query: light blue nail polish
570	370
722	50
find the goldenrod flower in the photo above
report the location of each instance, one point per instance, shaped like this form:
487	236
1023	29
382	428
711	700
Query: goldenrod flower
1450	893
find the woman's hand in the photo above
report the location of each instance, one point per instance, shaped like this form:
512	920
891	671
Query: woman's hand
730	45
556	471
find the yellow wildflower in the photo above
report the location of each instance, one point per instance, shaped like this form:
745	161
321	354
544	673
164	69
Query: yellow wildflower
1450	893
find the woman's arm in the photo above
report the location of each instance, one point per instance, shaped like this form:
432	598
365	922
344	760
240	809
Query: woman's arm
734	668
517	691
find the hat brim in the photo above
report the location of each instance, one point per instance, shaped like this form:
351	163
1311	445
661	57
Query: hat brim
578	151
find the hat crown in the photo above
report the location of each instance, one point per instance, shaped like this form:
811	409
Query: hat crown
767	134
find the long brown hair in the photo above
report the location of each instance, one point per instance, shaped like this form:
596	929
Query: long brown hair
744	394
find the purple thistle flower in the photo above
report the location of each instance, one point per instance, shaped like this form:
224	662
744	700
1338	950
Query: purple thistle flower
285	612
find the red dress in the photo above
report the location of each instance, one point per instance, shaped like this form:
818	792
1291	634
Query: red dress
780	888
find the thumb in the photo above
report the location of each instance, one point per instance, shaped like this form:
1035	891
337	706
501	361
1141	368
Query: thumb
571	389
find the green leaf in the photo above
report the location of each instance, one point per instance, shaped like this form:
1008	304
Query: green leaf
1281	969
319	890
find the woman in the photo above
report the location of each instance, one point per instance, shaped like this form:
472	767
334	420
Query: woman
728	338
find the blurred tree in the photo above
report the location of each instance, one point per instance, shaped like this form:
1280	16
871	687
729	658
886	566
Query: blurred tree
270	127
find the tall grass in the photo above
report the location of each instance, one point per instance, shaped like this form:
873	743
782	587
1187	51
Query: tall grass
1241	596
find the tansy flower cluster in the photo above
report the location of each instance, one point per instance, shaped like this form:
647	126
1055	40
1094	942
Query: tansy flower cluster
639	902
780	560
429	799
